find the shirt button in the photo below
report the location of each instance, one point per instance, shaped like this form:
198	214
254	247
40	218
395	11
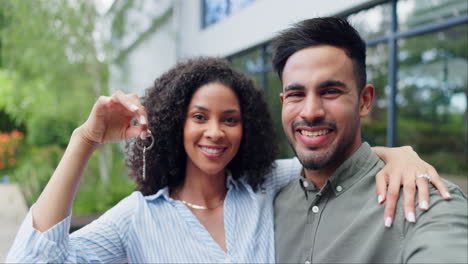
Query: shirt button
315	209
307	262
305	184
339	188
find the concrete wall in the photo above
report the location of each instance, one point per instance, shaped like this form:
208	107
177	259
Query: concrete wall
183	36
256	23
137	70
143	64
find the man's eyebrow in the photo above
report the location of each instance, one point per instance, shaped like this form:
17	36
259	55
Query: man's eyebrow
332	83
294	86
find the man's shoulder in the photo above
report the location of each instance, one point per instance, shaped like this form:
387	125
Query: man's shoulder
459	198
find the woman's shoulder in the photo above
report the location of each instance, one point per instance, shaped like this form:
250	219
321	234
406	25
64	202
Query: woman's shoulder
291	164
126	207
283	172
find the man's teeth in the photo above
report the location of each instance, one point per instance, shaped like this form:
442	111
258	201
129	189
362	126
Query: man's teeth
212	150
314	133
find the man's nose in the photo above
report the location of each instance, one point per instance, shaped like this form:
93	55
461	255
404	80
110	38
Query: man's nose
312	108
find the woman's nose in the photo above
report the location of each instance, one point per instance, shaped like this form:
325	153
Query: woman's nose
214	131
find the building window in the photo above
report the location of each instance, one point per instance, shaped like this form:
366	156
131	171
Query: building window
217	10
432	97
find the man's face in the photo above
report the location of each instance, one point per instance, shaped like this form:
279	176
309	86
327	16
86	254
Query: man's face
322	106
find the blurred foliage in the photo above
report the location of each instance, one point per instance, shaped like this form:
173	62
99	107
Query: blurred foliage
9	142
97	196
50	77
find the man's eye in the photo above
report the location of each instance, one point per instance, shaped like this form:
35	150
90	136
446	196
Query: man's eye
331	92
294	95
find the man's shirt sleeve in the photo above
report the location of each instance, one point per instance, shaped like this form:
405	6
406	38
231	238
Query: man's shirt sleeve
439	235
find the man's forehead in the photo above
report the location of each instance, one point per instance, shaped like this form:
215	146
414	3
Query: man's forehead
317	64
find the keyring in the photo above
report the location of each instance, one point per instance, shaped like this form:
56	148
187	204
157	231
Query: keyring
144	149
140	147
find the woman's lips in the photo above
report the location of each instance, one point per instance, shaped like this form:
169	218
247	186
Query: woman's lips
212	151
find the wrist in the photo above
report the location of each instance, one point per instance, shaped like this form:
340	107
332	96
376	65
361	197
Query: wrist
79	136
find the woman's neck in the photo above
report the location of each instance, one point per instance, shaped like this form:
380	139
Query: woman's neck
201	188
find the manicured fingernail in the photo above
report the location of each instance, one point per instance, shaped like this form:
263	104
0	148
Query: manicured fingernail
142	120
447	195
143	135
388	222
424	205
380	199
133	107
411	218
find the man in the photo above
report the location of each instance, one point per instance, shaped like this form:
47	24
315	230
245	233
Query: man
329	214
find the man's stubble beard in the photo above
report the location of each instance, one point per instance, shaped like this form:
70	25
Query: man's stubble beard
335	155
315	160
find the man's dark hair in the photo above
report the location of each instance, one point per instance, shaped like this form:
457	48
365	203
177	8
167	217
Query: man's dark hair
166	104
332	31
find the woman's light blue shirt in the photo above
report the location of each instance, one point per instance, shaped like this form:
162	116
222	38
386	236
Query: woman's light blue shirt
158	229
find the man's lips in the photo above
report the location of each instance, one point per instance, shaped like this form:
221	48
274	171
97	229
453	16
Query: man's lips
314	136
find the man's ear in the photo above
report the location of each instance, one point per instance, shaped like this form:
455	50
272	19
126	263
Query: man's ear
281	96
366	99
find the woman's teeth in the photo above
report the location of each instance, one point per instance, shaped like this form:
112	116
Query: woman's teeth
212	150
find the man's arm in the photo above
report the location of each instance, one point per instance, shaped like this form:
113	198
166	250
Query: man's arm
439	235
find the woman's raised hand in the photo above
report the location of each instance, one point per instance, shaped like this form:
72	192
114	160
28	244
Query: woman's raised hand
110	119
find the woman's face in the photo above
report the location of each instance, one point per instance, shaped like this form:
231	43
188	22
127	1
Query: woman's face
212	129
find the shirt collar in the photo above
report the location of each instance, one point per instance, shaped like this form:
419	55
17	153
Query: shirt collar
345	175
231	183
164	192
353	169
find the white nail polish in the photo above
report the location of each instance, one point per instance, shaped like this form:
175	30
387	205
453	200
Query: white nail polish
424	205
380	199
133	107
447	194
411	218
143	135
142	120
388	222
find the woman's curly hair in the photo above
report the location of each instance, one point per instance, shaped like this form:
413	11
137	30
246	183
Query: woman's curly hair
166	104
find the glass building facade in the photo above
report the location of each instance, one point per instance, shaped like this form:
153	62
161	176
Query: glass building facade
417	58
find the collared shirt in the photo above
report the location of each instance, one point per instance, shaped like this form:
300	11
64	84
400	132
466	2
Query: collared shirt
343	223
158	229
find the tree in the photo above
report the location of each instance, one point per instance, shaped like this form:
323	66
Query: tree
51	74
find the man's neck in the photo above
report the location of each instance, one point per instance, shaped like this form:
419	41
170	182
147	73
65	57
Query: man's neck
320	177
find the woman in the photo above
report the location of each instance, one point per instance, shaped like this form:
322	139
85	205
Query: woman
205	187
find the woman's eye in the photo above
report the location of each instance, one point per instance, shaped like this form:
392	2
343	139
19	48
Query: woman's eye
198	117
231	120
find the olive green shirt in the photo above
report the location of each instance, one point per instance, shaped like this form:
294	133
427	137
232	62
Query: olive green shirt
343	223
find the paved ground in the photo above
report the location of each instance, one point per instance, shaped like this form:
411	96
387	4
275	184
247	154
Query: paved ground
12	212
